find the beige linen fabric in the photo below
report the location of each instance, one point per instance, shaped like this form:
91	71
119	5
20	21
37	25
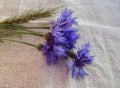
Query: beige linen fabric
99	23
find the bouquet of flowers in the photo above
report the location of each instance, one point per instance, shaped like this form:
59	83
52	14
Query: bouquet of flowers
60	39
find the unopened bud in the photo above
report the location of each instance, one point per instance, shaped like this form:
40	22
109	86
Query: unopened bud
40	46
48	36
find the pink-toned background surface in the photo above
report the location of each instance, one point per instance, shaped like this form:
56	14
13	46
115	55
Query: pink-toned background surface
99	23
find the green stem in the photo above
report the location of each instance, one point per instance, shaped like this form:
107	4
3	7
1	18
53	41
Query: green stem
19	29
37	27
26	43
21	32
32	33
22	27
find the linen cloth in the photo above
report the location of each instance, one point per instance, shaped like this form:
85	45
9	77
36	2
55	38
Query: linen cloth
99	23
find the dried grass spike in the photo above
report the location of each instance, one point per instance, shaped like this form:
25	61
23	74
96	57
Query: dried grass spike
31	15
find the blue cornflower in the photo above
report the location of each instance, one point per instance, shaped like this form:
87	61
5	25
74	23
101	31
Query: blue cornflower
83	57
63	32
62	38
52	50
65	21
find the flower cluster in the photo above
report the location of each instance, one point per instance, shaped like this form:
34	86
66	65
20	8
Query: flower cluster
62	38
61	41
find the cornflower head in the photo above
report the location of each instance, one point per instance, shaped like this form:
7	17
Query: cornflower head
80	60
63	31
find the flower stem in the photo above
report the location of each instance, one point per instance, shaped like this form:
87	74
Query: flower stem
38	46
26	43
32	33
21	27
37	27
13	32
72	55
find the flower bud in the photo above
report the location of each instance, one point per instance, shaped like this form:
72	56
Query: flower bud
40	46
48	36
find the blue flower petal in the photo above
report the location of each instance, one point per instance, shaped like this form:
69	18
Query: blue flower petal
84	50
59	50
66	12
88	60
51	58
74	72
70	65
60	39
82	72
